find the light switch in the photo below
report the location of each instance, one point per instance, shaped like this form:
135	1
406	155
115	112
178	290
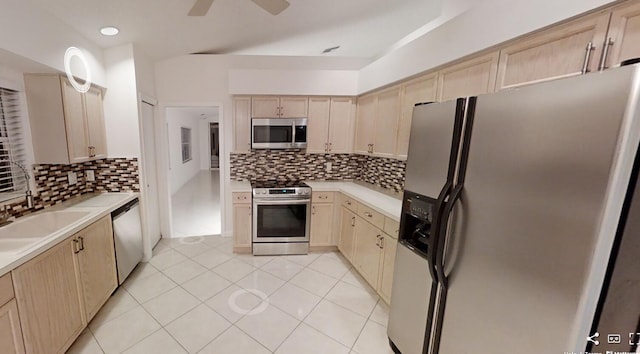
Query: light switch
72	177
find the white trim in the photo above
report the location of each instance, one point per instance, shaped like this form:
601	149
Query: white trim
626	150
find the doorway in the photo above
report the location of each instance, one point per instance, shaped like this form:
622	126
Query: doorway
214	141
194	186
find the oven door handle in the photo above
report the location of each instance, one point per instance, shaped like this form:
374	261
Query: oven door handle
281	201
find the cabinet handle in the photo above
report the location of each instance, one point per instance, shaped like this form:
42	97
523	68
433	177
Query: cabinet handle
353	221
605	54
330	147
81	243
368	214
381	241
587	57
313	210
75	246
348	202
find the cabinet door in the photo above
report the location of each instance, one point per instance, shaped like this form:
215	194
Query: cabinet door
10	332
387	117
419	90
625	34
318	124
469	78
77	136
48	299
556	53
294	107
389	245
341	126
242	225
367	252
265	107
95	123
365	123
321	224
242	123
97	265
347	233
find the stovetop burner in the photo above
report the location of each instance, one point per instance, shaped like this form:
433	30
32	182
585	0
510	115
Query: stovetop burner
278	184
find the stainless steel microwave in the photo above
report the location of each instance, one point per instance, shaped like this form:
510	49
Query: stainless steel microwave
278	133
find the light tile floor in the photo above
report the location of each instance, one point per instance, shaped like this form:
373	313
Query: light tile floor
195	207
196	296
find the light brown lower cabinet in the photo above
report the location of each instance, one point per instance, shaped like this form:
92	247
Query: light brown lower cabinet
389	246
242	225
10	332
59	291
367	252
347	233
97	265
48	296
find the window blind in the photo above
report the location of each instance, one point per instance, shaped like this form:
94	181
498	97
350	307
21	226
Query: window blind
12	146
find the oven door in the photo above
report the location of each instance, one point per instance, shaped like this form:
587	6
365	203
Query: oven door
281	220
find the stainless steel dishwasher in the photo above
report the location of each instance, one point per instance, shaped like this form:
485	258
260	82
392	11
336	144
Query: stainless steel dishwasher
127	236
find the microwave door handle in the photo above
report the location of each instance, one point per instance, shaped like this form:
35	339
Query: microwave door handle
293	133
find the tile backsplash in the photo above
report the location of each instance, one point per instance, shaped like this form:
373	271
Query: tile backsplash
297	165
52	185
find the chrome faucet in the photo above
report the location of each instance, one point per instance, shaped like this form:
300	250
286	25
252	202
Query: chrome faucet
28	194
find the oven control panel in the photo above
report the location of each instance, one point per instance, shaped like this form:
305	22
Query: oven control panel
281	192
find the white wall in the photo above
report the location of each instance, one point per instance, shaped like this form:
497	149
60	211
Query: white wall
145	75
486	24
121	103
34	34
180	173
301	82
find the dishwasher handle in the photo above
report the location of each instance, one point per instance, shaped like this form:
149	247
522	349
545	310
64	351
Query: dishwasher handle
123	209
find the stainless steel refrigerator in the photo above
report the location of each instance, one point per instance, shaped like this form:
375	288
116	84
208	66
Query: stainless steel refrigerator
514	216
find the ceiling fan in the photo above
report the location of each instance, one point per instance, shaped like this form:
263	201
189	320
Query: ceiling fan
274	7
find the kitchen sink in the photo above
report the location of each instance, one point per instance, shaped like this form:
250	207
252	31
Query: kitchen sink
28	231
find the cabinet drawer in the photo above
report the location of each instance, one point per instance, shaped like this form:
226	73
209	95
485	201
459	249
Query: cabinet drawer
322	197
391	227
242	197
349	204
6	289
371	216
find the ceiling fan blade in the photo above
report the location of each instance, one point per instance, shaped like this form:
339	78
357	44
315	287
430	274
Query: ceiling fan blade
274	7
200	8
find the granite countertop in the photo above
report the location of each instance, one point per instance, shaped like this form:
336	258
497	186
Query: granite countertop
87	209
379	199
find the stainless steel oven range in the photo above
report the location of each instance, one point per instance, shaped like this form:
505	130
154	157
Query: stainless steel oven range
281	217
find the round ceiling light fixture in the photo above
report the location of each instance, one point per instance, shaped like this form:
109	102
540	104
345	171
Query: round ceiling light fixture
109	31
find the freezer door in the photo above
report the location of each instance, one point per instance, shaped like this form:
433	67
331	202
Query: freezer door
432	128
526	227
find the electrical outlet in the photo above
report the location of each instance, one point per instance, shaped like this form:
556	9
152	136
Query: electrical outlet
91	176
328	167
72	177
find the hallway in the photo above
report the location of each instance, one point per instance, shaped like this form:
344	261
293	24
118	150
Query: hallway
195	207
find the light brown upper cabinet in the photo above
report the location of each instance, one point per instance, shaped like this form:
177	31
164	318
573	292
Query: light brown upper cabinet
624	34
422	89
242	123
469	78
66	126
279	107
365	124
318	124
342	115
377	123
567	50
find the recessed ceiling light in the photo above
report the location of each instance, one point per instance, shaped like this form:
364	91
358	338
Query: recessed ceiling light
109	31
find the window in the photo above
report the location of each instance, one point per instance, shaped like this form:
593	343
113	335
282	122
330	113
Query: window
12	147
185	138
